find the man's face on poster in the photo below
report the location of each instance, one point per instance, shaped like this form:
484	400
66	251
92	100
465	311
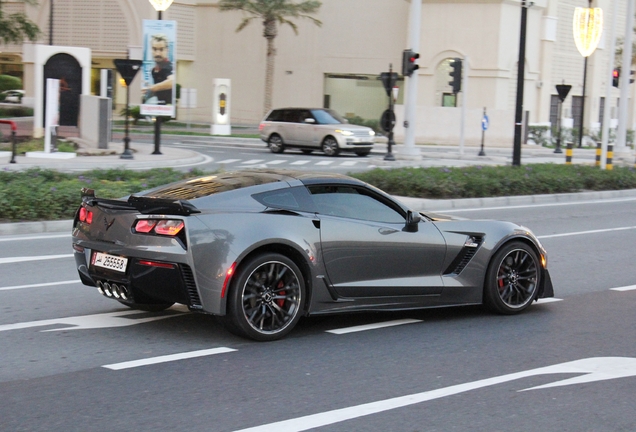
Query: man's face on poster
159	50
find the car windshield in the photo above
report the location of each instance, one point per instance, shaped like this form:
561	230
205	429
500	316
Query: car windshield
328	117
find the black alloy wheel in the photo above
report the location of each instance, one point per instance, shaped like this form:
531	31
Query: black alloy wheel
266	298
512	279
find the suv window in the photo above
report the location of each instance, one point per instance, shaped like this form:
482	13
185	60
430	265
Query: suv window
327	117
290	116
276	115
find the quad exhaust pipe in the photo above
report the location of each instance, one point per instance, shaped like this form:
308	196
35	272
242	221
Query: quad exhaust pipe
113	290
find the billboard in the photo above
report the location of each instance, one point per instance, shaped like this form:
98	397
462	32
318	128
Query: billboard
159	75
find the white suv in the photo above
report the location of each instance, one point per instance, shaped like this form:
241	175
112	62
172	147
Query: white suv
312	129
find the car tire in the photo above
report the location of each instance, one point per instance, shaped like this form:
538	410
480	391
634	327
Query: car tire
363	153
275	143
512	279
330	146
266	298
148	307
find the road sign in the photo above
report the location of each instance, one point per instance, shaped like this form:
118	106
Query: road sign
387	122
563	90
127	68
485	122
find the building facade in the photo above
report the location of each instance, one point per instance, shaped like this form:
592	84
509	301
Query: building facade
337	64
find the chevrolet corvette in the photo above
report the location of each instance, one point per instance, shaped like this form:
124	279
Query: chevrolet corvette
262	248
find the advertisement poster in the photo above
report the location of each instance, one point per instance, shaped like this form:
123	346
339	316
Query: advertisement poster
159	74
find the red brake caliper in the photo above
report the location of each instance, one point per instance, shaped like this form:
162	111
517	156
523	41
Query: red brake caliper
280	302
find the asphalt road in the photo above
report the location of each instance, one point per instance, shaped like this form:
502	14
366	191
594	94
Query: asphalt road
66	351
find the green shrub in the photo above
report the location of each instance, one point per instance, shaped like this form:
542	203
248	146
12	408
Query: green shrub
8	82
16	111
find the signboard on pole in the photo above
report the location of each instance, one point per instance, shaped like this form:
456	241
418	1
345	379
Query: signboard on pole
159	76
52	112
563	90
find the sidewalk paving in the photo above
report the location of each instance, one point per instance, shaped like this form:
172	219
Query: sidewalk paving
431	156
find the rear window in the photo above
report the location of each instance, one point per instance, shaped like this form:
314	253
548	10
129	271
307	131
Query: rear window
276	115
209	185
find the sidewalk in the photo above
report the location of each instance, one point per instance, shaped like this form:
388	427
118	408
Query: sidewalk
175	157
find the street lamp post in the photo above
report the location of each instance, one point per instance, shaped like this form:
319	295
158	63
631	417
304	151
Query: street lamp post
521	62
160	6
587	29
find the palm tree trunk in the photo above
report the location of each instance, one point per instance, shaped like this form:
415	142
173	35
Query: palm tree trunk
270	33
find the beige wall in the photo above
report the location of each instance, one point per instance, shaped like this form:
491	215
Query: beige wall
357	37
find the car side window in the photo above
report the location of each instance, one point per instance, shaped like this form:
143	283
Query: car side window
304	114
276	115
290	116
354	203
295	198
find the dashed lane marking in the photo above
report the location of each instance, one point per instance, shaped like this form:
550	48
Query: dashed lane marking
373	326
167	358
625	288
16	287
33	258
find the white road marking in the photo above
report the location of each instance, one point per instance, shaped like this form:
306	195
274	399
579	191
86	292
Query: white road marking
625	288
167	358
40	285
300	162
587	232
276	162
33	258
40	237
349	163
549	300
373	326
252	162
97	321
227	161
588	370
324	163
600	201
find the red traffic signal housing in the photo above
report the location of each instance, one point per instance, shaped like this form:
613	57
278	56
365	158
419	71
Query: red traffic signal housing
616	76
408	62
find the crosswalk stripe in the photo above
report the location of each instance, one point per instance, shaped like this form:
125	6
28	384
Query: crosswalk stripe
349	163
252	161
228	161
276	162
300	162
324	163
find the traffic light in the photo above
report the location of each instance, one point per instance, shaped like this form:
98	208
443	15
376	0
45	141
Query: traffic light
408	62
456	74
616	76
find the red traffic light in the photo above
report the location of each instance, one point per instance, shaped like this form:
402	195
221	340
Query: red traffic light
615	73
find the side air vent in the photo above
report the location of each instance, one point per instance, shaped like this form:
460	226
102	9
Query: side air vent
191	287
471	245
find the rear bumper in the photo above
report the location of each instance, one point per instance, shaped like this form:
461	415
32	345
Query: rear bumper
143	283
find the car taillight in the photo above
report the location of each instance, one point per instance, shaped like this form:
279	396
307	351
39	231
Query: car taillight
261	126
165	227
85	215
169	227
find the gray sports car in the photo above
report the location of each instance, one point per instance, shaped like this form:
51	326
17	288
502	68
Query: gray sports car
262	248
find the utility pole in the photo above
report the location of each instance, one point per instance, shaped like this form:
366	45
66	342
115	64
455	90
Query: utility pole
516	151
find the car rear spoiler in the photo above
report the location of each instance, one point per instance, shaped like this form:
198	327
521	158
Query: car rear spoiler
143	204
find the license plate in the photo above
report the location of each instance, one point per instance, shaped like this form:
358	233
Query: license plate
110	262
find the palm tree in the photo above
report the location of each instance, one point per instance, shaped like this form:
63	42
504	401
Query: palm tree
272	13
17	27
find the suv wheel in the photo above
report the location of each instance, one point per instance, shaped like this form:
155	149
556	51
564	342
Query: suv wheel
330	146
275	143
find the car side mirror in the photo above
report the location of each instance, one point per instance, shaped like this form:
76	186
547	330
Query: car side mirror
412	221
310	120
